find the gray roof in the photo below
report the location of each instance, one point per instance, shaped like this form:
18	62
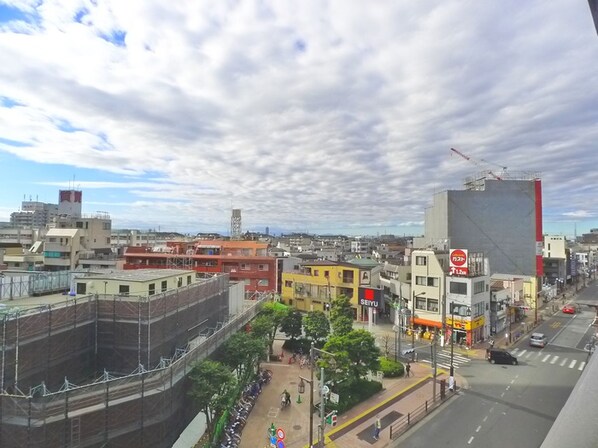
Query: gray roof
139	275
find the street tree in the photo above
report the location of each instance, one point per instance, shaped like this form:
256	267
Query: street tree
316	325
213	386
355	353
268	321
341	315
292	324
242	353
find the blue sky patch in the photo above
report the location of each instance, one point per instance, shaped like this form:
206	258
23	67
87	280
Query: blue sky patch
117	37
9	14
9	142
8	102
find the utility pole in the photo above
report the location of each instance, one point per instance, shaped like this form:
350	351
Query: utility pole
452	337
434	366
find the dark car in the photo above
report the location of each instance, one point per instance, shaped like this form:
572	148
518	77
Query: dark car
499	356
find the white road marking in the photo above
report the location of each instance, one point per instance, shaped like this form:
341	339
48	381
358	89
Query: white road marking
522	353
478	428
484	419
546	357
553	360
470	440
572	364
564	361
581	366
502	395
492	409
512	381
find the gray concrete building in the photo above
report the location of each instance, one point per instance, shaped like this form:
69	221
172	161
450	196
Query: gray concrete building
500	218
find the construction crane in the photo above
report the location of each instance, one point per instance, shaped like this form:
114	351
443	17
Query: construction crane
479	164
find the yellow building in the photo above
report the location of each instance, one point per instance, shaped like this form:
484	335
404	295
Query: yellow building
313	286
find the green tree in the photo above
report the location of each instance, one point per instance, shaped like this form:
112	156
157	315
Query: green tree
341	315
355	353
266	323
292	324
317	326
212	388
242	352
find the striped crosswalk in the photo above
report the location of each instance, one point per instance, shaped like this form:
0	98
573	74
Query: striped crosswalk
443	359
549	358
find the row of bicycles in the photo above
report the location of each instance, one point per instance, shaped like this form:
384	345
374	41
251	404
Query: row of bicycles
231	436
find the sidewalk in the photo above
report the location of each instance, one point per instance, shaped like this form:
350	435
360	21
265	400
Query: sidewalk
399	397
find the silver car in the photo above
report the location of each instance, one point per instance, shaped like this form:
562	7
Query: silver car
538	340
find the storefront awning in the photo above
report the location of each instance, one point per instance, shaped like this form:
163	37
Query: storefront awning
429	323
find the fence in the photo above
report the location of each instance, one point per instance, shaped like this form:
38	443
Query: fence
148	407
14	287
401	425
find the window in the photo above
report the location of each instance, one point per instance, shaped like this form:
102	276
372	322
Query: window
123	290
326	274
478	287
188	279
421	261
432	305
108	240
263	282
458	288
81	288
316	273
420	280
460	310
288	283
151	289
262	267
347	276
420	303
179	282
409	276
164	285
79	225
244	267
433	281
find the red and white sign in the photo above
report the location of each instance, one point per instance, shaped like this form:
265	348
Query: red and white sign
458	262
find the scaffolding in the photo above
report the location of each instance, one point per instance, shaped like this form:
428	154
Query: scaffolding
84	398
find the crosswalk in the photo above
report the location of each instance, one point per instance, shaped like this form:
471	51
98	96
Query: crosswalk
443	359
522	353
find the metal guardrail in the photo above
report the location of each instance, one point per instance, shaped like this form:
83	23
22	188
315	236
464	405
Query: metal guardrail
401	425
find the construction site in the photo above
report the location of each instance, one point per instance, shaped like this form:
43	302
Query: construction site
109	370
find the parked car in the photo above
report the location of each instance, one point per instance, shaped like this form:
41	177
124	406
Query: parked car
569	309
538	340
500	356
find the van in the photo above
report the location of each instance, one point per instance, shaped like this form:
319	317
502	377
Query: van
538	340
498	356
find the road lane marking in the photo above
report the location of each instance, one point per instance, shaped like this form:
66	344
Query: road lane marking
522	353
508	387
572	364
512	381
484	419
553	360
546	357
564	361
502	395
581	366
470	440
478	428
492	409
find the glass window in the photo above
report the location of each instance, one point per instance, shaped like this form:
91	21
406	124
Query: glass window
433	305
420	303
164	286
432	281
421	261
420	280
123	290
288	283
478	287
152	289
458	288
263	282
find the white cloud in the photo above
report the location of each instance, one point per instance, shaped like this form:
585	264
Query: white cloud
305	114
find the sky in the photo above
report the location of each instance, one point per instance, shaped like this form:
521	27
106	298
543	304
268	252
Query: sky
310	116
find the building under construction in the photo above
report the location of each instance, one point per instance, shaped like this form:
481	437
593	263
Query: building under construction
105	370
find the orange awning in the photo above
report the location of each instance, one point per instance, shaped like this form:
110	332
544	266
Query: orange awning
429	323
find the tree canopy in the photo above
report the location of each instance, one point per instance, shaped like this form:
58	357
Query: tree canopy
341	315
242	352
316	325
292	324
212	387
267	322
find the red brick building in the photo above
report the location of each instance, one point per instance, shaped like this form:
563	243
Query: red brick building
245	261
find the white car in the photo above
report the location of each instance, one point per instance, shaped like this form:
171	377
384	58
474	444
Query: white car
538	340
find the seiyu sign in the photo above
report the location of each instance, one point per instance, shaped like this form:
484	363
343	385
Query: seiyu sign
370	297
458	262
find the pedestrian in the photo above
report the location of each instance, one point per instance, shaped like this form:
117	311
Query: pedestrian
408	369
377	427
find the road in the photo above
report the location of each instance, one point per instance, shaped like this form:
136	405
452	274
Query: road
512	405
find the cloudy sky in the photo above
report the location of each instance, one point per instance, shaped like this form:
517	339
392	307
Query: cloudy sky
318	116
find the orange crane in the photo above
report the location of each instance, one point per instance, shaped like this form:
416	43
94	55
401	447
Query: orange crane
479	164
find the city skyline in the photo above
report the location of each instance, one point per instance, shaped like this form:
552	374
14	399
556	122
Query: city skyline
313	117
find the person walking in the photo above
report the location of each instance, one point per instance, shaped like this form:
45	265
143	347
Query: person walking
408	369
377	427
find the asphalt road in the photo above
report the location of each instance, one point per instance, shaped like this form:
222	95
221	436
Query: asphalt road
513	406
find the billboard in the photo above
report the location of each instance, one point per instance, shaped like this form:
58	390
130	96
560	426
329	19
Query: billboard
458	262
370	297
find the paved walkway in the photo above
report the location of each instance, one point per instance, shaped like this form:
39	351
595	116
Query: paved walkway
355	428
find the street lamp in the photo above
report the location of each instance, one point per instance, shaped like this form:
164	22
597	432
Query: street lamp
415	296
311	396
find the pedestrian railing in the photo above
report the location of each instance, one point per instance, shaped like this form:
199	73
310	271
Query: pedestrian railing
402	424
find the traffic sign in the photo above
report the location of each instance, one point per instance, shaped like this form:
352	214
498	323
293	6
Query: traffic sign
325	389
334	398
280	433
280	444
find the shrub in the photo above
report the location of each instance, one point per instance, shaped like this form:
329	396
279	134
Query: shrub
391	368
353	393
